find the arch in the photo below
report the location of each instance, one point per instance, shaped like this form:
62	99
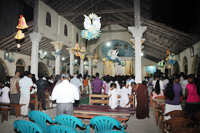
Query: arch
65	30
20	65
77	39
194	64
48	19
176	68
43	68
185	65
3	70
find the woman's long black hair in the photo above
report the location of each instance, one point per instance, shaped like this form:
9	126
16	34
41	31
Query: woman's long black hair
197	84
157	87
170	87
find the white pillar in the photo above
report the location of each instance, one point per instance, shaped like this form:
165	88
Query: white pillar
81	66
71	53
35	39
57	47
90	65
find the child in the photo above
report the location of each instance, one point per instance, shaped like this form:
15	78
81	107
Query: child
85	84
124	96
112	93
5	93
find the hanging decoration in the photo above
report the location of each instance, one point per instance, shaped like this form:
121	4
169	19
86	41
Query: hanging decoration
94	65
83	53
167	52
76	48
21	25
95	57
86	63
55	54
92	27
172	59
112	55
198	52
104	60
42	54
62	67
11	58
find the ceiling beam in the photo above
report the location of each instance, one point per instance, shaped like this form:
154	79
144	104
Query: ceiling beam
109	11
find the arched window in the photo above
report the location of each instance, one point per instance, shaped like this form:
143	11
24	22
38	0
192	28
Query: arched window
20	66
76	37
3	71
48	19
43	69
65	30
185	65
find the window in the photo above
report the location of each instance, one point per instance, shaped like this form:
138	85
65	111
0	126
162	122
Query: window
76	37
20	65
65	30
20	62
48	19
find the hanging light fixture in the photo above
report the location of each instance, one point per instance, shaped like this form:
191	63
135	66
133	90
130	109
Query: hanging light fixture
18	45
76	48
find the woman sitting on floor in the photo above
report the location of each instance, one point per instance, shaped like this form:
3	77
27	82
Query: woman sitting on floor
193	95
173	92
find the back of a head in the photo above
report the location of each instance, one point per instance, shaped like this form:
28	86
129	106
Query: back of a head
182	74
157	87
57	77
113	85
26	73
97	74
17	72
40	76
170	88
133	83
65	76
144	82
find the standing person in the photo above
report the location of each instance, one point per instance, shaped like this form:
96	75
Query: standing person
34	91
85	84
165	81
124	96
173	92
106	84
41	85
142	110
75	81
14	90
89	84
49	89
81	80
158	87
97	85
132	77
5	93
112	93
193	95
181	77
57	79
25	85
65	93
183	85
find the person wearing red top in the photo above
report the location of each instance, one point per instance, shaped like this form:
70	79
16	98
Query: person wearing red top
85	84
193	95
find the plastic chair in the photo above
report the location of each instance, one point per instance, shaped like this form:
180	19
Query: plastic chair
114	131
71	121
105	123
61	129
27	127
40	118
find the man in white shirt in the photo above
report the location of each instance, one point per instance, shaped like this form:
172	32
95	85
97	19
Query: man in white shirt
65	94
165	81
183	84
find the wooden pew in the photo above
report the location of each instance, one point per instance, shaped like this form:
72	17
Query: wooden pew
16	105
47	100
4	115
35	101
105	100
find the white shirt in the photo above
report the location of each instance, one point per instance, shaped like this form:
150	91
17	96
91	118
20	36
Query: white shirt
154	83
124	97
181	80
130	88
165	82
183	85
113	103
34	90
65	92
161	85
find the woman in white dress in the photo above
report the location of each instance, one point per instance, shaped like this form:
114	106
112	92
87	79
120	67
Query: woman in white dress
124	92
112	93
5	93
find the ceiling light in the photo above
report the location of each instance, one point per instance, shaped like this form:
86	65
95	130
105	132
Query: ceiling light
142	54
108	44
18	45
75	60
45	53
63	58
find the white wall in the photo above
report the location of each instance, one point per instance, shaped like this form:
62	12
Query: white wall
12	66
186	53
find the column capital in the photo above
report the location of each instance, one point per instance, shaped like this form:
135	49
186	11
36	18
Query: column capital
57	45
35	37
142	41
137	32
71	50
89	57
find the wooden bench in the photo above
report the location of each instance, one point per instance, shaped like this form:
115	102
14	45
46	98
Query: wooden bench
35	101
47	100
104	99
4	115
16	105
